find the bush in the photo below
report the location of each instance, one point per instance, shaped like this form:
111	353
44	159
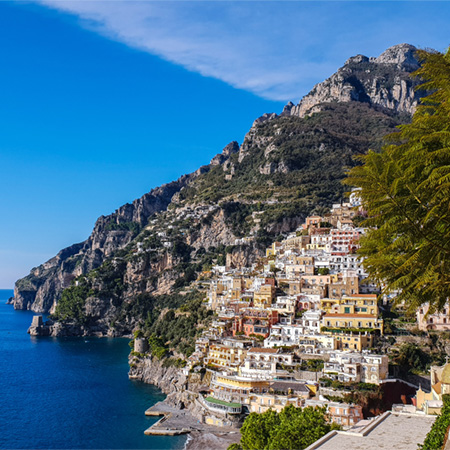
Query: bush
291	429
412	358
72	302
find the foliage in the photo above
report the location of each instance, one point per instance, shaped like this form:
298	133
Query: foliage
435	437
177	329
182	250
334	398
412	358
71	304
348	386
313	365
134	227
292	428
349	330
234	447
157	347
406	191
174	362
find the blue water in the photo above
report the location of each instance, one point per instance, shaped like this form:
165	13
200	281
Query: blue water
67	393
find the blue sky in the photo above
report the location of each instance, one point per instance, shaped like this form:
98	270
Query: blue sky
101	101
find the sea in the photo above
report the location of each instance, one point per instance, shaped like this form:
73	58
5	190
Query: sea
70	393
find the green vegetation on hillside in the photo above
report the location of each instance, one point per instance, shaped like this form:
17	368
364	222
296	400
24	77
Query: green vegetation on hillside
71	304
178	328
134	227
309	157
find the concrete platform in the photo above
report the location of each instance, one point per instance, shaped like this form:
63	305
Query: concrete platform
389	431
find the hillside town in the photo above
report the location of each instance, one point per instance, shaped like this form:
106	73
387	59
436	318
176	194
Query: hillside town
298	328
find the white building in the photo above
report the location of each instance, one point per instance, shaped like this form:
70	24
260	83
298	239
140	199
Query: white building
357	367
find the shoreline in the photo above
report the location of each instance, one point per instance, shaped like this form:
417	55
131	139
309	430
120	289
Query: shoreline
200	436
211	440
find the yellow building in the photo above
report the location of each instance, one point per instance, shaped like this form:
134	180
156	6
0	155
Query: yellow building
220	355
431	402
233	382
273	249
357	322
353	341
295	287
264	296
248	281
232	388
260	403
329	304
297	242
234	294
281	394
359	304
351	320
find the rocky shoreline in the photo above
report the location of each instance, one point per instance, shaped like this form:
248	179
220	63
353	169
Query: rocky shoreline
184	400
39	327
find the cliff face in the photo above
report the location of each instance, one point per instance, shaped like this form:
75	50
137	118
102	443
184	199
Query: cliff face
288	166
383	81
42	288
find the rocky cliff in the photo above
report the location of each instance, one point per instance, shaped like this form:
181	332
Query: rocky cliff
288	166
383	81
182	390
40	290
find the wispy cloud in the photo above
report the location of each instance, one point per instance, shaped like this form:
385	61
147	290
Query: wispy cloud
277	50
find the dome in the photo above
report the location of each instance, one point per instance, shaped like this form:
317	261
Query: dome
445	378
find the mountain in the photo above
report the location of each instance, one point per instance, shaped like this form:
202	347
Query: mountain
290	165
384	81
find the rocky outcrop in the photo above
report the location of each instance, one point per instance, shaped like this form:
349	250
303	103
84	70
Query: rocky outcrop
182	390
243	256
384	81
151	370
228	150
212	232
75	329
38	328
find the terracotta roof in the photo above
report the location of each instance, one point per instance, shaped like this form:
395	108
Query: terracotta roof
437	388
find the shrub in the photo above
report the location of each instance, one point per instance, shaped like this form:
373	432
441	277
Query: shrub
435	438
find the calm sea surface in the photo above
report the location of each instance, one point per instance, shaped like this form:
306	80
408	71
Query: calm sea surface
66	393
